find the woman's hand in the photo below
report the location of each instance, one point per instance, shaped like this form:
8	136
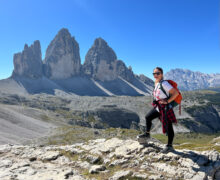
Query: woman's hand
163	101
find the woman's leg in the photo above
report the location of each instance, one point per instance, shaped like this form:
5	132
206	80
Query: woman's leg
169	146
152	114
170	134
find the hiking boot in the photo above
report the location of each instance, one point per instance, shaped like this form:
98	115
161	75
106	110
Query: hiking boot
144	135
168	148
142	138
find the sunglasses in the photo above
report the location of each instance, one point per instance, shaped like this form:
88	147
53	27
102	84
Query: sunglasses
157	73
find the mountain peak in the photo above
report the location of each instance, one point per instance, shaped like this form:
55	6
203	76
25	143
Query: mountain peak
100	42
100	61
62	58
101	50
28	63
64	32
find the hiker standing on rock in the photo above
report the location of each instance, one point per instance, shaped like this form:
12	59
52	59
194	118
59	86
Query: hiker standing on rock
164	95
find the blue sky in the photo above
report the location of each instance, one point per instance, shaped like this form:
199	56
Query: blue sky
143	33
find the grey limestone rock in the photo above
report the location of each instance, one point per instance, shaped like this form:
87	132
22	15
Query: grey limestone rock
101	63
62	58
191	80
28	63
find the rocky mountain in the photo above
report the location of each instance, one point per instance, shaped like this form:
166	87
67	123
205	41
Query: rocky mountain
100	75
112	75
101	63
190	80
28	63
106	159
62	59
145	79
125	72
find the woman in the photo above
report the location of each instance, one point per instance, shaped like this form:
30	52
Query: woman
162	109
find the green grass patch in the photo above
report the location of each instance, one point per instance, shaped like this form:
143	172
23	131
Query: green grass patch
194	138
121	133
91	119
70	134
193	141
66	114
70	155
73	134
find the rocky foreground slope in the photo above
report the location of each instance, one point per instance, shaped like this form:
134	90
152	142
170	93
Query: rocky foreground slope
106	159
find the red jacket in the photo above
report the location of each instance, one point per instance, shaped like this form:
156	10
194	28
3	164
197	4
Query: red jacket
166	115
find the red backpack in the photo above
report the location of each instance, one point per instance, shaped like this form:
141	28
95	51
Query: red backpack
178	99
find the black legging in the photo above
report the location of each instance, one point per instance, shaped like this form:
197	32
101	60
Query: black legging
152	114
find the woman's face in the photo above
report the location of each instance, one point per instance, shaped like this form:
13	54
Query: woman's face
157	74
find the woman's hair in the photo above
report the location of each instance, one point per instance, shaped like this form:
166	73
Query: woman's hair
160	69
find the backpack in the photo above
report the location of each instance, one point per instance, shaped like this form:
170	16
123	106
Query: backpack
178	99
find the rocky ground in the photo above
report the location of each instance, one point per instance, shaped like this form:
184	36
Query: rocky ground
102	159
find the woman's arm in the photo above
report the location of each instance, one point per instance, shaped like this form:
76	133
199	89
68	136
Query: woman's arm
174	93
